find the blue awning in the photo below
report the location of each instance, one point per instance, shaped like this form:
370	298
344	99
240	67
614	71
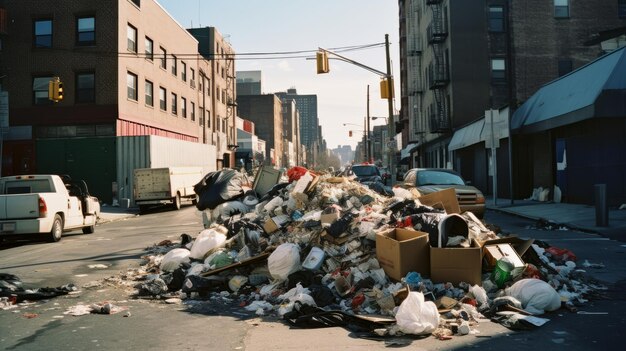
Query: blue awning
468	135
595	90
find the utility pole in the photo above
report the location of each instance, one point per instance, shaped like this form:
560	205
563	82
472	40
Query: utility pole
367	128
390	126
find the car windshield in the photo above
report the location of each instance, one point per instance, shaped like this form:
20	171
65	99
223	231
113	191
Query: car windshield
364	171
438	178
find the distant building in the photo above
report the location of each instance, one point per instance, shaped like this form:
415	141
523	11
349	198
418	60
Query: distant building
309	122
291	132
249	83
266	113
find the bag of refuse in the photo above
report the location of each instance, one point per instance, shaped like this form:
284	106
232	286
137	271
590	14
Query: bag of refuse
416	316
536	296
218	187
284	261
207	240
173	259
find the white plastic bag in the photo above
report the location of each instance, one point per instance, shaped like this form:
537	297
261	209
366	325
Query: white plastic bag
173	259
535	295
416	316
207	240
284	261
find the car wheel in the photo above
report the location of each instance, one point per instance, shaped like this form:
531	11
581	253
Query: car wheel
143	209
177	202
57	229
89	229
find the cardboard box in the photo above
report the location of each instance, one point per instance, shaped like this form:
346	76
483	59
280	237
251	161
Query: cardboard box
275	223
456	264
444	198
329	218
400	251
497	251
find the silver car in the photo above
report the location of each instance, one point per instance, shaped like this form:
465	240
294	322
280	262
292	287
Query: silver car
430	180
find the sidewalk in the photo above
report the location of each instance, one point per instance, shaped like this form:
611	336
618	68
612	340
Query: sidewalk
574	216
114	213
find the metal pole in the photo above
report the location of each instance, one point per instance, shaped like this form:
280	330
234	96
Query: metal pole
494	162
390	125
367	127
508	119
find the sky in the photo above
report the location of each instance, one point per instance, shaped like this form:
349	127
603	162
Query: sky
253	26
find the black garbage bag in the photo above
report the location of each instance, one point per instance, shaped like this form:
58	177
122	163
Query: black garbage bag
380	188
218	187
339	226
437	225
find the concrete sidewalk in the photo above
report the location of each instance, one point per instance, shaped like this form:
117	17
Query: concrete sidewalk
574	216
114	213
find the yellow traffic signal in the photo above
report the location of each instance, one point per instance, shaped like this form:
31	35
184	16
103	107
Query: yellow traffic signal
350	133
55	89
386	88
322	62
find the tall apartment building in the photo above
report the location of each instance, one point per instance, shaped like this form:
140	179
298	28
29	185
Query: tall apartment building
249	83
291	133
266	113
460	58
309	122
133	92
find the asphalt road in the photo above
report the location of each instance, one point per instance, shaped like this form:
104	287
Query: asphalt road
215	326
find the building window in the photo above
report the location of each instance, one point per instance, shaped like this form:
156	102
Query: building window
561	8
131	86
217	94
163	55
193	77
183	71
621	8
496	19
174	104
183	107
131	38
498	70
162	95
85	87
137	2
565	66
174	66
43	33
192	111
40	90
149	44
208	119
149	93
86	31
208	87
223	96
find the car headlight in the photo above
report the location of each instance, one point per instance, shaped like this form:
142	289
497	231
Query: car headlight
480	199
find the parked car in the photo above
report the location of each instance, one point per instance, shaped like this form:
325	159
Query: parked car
385	175
366	173
430	180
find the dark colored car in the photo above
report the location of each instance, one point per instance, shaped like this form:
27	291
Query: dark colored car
366	173
430	180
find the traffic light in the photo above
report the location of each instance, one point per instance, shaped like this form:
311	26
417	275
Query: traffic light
322	62
386	88
350	133
55	90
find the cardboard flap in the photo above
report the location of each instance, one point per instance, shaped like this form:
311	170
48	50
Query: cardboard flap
445	197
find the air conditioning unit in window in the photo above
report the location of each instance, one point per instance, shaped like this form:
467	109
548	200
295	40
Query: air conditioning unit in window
192	83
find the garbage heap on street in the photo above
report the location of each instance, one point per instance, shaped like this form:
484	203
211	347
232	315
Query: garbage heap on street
319	250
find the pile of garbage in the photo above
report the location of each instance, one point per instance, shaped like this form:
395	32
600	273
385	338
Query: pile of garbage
319	250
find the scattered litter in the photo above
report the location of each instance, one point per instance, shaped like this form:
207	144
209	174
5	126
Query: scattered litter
98	266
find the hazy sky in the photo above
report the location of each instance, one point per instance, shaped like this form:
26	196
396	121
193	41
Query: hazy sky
254	26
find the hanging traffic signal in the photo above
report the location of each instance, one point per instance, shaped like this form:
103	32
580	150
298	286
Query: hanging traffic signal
55	89
386	88
322	62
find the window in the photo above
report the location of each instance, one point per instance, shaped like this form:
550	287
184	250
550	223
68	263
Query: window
149	93
497	70
131	86
183	71
162	95
40	90
137	2
193	77
496	19
208	89
149	44
163	54
131	38
208	119
565	66
85	87
43	33
621	8
86	31
183	107
174	104
561	8
217	95
174	66
192	111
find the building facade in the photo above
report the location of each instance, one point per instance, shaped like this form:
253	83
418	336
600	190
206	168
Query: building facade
461	58
309	122
249	83
130	92
266	113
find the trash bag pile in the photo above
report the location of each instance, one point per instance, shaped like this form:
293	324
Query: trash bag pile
305	250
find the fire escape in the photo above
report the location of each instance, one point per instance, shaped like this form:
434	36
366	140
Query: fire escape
414	62
438	75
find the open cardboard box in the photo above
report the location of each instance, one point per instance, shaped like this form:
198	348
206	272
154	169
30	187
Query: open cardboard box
456	264
400	251
444	198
